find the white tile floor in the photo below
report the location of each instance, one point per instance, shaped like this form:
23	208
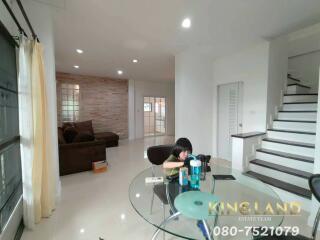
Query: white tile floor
97	205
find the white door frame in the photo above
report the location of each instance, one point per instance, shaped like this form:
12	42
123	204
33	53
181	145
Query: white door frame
240	110
166	113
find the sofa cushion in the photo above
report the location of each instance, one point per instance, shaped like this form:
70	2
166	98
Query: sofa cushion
85	127
83	137
69	134
107	136
61	139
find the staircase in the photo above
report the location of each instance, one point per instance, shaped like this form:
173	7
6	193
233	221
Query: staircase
285	159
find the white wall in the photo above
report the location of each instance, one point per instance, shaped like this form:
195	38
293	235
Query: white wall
306	68
304	40
131	110
193	92
249	66
141	89
277	76
304	55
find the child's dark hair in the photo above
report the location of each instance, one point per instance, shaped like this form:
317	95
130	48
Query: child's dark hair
181	145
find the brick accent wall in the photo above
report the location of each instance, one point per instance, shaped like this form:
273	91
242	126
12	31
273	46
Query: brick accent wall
102	100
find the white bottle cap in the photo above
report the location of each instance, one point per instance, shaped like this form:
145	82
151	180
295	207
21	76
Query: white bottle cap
195	163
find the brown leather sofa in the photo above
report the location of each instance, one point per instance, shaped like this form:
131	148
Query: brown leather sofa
78	148
78	157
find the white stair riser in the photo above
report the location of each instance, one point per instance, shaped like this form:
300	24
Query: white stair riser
295	126
298	181
300	107
309	116
294	89
298	137
300	98
304	151
287	162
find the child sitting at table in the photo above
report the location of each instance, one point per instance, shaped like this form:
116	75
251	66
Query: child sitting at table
178	157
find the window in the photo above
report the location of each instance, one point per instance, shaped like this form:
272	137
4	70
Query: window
10	161
70	102
148	107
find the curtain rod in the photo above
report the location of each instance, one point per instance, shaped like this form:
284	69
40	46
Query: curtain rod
14	18
27	20
34	35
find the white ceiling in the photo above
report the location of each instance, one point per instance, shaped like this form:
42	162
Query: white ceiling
113	32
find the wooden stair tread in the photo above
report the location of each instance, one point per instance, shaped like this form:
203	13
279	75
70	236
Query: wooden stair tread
301	103
288	120
294	143
298	111
284	169
291	131
300	94
306	193
287	155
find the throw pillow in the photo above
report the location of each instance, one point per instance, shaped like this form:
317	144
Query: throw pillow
66	125
83	137
69	134
85	126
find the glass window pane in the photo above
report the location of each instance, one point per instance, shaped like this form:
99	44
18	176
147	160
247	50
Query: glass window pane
70	102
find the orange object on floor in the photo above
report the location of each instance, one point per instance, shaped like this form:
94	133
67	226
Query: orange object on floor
99	167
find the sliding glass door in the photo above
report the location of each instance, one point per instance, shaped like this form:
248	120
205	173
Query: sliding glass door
10	164
154	116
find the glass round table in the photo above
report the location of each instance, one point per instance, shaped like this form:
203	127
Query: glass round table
228	205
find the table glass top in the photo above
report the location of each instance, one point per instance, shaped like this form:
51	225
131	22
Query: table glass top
242	202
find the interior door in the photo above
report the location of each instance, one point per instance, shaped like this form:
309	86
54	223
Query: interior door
154	116
229	117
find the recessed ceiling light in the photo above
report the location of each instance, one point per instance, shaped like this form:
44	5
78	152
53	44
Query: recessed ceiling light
135	60
82	230
79	51
120	72
186	23
76	66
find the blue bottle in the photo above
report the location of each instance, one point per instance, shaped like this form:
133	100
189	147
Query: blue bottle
195	166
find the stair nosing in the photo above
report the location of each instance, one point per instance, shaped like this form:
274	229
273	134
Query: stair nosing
298	84
282	154
291	131
293	143
275	183
281	168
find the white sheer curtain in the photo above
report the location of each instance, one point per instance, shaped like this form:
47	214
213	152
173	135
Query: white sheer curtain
26	129
39	180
